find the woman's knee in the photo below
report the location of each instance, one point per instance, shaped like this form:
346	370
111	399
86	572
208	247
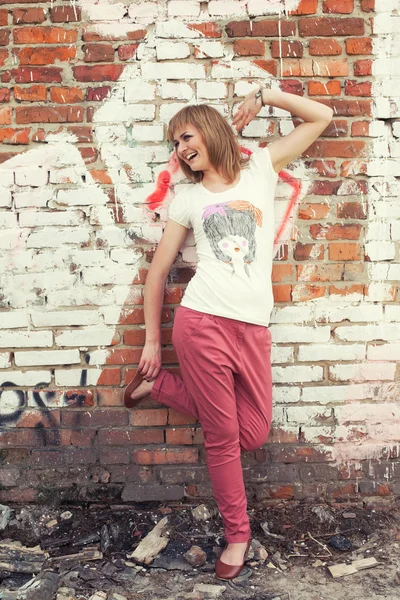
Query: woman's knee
249	443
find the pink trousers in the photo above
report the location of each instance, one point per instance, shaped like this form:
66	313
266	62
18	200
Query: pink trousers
226	384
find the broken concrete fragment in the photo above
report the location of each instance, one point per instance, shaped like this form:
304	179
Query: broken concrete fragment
201	513
195	556
16	558
152	544
341	569
210	591
47	585
5	516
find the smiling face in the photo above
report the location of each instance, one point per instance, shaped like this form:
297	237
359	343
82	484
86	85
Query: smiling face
190	148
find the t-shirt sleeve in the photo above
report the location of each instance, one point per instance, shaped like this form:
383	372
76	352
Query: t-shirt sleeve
178	209
261	159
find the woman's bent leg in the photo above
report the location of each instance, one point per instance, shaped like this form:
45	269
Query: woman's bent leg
170	390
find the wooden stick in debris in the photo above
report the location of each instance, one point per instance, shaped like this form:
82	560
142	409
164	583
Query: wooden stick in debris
320	544
154	542
341	569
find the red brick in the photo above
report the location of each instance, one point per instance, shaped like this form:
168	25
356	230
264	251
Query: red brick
3	57
321	47
342	7
351	210
281	273
98	73
97	94
308	212
14	136
149	417
65	14
358	88
309	252
341	252
346	290
270	66
134	337
305	7
324	187
128	437
110	377
95	418
19	494
330	26
93	36
5	115
289	49
114	456
359	46
340	149
362	68
282	293
368	5
181	436
66	95
28	15
360	128
165	456
330	88
4	95
249	47
36	75
3	17
292	86
335	232
45	56
349	168
208	30
307	67
127	51
177	418
4	37
325	168
98	52
349	108
49	114
321	272
45	35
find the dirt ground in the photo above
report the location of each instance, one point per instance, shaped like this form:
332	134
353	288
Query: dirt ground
302	541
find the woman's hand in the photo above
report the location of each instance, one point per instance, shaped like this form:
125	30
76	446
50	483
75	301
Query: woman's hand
150	361
247	110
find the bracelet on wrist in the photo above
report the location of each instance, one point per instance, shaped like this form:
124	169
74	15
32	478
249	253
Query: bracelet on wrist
259	95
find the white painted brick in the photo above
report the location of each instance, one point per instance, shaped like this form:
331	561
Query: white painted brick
257	8
167	111
318	435
44	358
308	415
380	292
367	412
172	50
8	220
238	69
387	208
138	90
56	237
10	239
56	280
377	251
297	374
395	231
384	168
176	29
113	274
363	372
294	333
178	91
90	336
71	317
72	377
29	377
337	393
387	352
34	176
377	129
377	230
282	354
125	257
6	177
388	66
81	296
355	313
285	395
183	8
173	70
210	49
85	196
5	198
365	333
257	128
392	313
147	11
68	175
106	11
291	314
33	198
331	352
25	339
118	111
113	236
29	218
395	128
227	8
345	433
13	319
148	133
5	360
112	133
19	262
211	90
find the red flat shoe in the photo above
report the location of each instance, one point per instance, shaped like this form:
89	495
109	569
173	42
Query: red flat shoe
136	381
226	572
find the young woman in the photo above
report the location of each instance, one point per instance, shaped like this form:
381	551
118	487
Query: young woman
220	331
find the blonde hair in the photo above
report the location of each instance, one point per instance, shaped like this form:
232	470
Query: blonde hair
223	149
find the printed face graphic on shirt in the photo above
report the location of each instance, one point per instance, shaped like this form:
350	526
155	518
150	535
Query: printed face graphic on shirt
230	229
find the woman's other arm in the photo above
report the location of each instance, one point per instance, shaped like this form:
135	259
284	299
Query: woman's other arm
316	117
173	237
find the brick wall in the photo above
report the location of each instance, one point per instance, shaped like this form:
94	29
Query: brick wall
85	180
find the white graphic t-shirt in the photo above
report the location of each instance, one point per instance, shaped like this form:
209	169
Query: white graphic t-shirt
234	234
